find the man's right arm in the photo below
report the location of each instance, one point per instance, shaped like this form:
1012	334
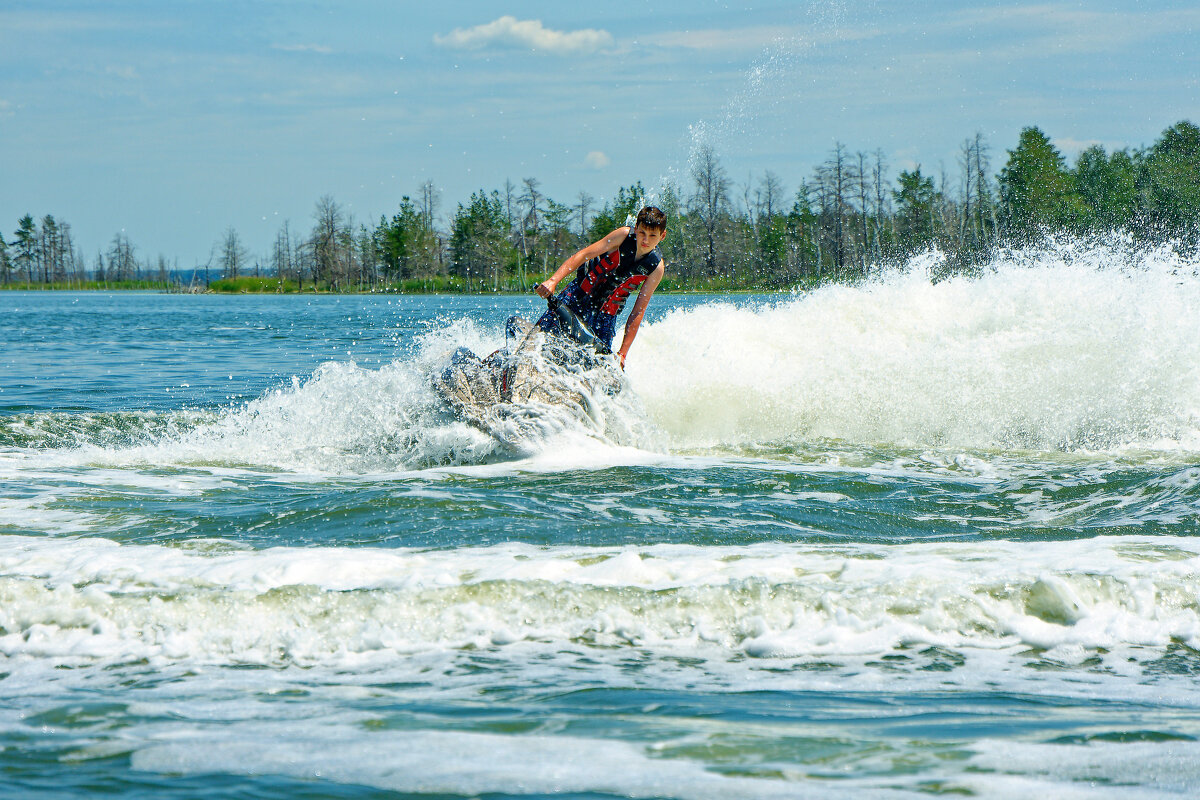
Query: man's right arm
573	262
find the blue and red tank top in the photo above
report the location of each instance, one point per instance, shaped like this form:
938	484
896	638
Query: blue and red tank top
606	281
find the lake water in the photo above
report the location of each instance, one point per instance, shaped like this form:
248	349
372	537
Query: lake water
900	539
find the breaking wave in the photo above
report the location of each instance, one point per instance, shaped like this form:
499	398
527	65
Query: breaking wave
1069	347
1076	346
1133	598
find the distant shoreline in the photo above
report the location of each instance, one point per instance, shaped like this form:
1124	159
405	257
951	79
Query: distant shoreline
264	286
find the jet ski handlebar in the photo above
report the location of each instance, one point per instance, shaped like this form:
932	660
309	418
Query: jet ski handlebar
573	327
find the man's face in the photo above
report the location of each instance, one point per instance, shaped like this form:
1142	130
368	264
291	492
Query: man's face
648	238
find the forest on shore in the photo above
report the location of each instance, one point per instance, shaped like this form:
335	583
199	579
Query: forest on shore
843	221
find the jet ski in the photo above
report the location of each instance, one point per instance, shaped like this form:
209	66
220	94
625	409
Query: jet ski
537	385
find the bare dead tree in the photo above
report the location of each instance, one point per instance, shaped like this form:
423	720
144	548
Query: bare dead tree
985	205
710	201
769	195
516	232
281	252
328	221
967	235
862	177
429	198
882	216
232	254
584	207
834	181
122	264
533	202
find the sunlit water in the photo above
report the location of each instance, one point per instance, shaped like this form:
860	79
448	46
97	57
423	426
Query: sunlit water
899	539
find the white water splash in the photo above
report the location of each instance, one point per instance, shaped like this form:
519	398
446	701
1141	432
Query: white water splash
93	599
1074	346
724	131
346	419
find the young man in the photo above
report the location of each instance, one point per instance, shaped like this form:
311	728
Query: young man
605	273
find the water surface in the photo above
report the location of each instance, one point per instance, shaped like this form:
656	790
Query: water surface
899	539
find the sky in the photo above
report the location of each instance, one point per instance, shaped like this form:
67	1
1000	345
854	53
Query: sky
172	121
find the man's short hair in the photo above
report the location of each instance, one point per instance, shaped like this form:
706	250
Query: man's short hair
652	217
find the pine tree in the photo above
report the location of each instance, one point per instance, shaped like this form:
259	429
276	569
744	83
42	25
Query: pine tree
916	201
1170	181
1036	190
6	266
397	240
1108	186
479	246
627	204
25	247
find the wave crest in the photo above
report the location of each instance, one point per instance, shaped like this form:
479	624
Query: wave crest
1072	346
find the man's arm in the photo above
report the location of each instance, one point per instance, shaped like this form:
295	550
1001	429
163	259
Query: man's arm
639	310
573	262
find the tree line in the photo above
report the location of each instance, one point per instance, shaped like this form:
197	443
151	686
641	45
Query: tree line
845	219
45	254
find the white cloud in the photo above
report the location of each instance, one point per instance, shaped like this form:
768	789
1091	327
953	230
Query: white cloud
510	32
597	160
124	73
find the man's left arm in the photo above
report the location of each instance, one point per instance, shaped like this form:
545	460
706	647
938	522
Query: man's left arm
639	311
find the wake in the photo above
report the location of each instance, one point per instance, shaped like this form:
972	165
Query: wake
1075	346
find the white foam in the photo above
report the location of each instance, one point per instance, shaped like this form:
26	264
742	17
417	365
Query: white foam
1129	597
1078	346
1095	769
349	420
1075	346
347	750
457	763
33	514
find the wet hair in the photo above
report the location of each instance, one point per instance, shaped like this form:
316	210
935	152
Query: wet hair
653	218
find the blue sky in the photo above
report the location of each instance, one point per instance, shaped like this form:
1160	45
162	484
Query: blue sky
173	120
